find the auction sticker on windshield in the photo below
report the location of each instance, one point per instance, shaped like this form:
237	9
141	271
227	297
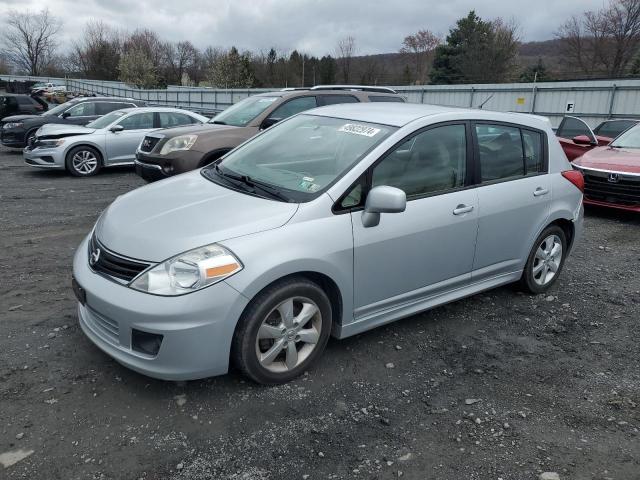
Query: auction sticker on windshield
365	130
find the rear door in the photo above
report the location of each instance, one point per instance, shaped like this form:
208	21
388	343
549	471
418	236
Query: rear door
122	145
514	192
572	129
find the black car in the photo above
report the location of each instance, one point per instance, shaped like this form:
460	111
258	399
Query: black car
12	104
16	130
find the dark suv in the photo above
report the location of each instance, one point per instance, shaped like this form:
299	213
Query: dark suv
16	130
11	104
168	152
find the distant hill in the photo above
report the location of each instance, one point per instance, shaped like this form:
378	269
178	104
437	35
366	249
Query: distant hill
390	68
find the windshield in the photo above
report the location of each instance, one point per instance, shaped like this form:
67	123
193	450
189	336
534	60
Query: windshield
240	114
629	139
106	120
302	156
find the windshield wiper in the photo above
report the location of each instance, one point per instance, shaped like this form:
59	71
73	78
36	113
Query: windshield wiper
218	122
252	183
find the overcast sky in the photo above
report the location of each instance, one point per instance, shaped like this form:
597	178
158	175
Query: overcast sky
311	26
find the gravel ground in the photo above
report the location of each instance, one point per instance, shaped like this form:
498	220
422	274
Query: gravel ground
501	385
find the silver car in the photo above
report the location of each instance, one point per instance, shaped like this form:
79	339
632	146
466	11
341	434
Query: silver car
107	141
336	221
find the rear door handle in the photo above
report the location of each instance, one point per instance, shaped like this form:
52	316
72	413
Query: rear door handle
540	191
462	209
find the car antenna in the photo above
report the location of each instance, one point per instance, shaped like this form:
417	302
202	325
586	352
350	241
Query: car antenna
488	98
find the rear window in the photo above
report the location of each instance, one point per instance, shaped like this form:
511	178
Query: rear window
335	99
385	98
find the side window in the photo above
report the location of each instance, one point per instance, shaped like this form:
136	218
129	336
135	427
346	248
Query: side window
614	128
385	98
138	121
170	119
84	109
292	107
432	161
501	153
334	99
24	101
102	108
532	142
572	127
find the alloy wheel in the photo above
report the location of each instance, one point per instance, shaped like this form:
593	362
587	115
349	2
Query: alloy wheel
288	334
84	162
547	260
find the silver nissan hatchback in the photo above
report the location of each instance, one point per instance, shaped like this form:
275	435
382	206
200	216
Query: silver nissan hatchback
333	222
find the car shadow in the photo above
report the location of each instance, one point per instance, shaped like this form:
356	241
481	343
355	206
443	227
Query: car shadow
612	214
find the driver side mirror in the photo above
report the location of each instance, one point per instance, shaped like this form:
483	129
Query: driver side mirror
116	128
583	140
269	122
66	114
382	199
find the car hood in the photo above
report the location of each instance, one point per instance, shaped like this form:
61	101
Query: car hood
615	159
165	218
54	130
19	118
190	129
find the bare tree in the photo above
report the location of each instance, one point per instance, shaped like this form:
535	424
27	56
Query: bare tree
345	51
30	39
421	46
603	42
180	58
97	54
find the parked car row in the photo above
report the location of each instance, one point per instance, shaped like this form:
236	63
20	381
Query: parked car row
16	104
608	157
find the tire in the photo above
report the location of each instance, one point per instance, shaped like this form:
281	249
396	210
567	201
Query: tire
543	269
83	161
271	360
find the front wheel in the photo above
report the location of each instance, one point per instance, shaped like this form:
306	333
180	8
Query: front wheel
83	161
282	332
545	261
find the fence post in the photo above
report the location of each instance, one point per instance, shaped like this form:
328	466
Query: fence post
471	97
612	100
422	95
533	100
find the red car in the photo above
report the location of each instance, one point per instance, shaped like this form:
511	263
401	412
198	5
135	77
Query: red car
577	138
612	173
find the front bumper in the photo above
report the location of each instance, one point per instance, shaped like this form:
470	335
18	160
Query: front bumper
174	163
13	138
44	157
197	328
149	171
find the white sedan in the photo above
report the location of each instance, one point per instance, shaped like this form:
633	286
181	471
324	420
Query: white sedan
108	141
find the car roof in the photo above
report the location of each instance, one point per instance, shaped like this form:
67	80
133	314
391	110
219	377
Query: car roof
153	109
102	99
400	114
354	90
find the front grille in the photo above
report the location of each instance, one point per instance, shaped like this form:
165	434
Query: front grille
624	191
148	144
109	263
108	329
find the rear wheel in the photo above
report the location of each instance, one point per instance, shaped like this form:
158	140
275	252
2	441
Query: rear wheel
545	261
282	332
83	161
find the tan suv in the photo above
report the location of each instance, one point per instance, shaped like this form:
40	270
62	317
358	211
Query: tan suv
171	151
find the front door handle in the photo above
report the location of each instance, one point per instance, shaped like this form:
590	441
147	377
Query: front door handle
462	209
538	192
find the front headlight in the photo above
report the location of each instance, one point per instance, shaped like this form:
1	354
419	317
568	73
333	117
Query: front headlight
189	271
183	142
50	143
9	125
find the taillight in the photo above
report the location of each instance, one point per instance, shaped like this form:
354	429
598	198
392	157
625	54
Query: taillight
575	177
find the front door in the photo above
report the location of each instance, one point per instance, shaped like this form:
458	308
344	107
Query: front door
122	145
428	248
514	193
